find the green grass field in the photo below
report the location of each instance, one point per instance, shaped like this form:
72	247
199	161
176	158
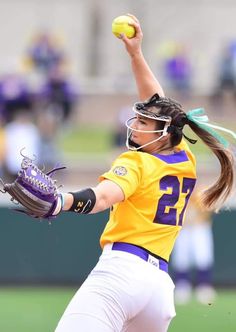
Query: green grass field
217	317
86	140
39	309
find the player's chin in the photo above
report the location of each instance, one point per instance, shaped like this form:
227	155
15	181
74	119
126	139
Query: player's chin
133	144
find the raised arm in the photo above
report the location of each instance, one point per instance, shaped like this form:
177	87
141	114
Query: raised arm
146	81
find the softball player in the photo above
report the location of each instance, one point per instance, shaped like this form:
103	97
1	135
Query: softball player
147	190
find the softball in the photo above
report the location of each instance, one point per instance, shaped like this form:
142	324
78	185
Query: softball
121	25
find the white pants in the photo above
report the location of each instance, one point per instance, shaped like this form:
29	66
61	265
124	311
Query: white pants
122	293
194	248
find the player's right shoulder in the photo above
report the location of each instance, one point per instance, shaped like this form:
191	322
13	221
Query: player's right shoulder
130	155
131	159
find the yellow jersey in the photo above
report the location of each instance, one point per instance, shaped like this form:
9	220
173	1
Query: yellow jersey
157	189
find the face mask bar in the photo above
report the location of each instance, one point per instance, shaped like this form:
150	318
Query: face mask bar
148	115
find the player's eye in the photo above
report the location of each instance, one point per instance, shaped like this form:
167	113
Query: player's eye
142	121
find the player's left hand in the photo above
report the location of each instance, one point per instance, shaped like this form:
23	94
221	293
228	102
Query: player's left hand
36	191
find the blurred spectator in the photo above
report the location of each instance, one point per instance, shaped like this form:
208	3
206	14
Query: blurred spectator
193	256
55	102
226	80
48	125
44	53
59	94
20	134
14	95
177	67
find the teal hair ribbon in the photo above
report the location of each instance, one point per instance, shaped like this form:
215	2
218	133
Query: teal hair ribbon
199	117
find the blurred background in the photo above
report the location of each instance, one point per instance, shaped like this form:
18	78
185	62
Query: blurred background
66	89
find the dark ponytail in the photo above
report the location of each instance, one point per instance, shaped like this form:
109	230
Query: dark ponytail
216	194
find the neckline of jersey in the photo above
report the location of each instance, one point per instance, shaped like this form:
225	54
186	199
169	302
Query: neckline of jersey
177	157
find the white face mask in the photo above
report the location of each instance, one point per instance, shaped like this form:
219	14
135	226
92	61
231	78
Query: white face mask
153	116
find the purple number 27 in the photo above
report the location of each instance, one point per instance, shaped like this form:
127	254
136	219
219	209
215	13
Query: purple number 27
169	200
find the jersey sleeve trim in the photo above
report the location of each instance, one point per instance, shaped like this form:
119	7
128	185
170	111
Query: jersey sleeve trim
175	158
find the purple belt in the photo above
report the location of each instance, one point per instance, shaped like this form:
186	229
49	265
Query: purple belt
142	253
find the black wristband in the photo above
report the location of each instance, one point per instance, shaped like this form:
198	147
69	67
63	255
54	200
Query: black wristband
84	201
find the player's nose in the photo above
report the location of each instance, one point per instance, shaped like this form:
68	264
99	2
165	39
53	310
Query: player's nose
134	124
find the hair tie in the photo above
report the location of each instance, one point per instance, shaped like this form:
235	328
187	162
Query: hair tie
191	140
199	117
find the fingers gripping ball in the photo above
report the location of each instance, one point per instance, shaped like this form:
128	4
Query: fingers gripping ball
121	25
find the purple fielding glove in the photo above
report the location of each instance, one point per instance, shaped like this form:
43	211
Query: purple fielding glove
36	191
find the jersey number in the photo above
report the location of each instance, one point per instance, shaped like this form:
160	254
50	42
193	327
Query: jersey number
169	200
